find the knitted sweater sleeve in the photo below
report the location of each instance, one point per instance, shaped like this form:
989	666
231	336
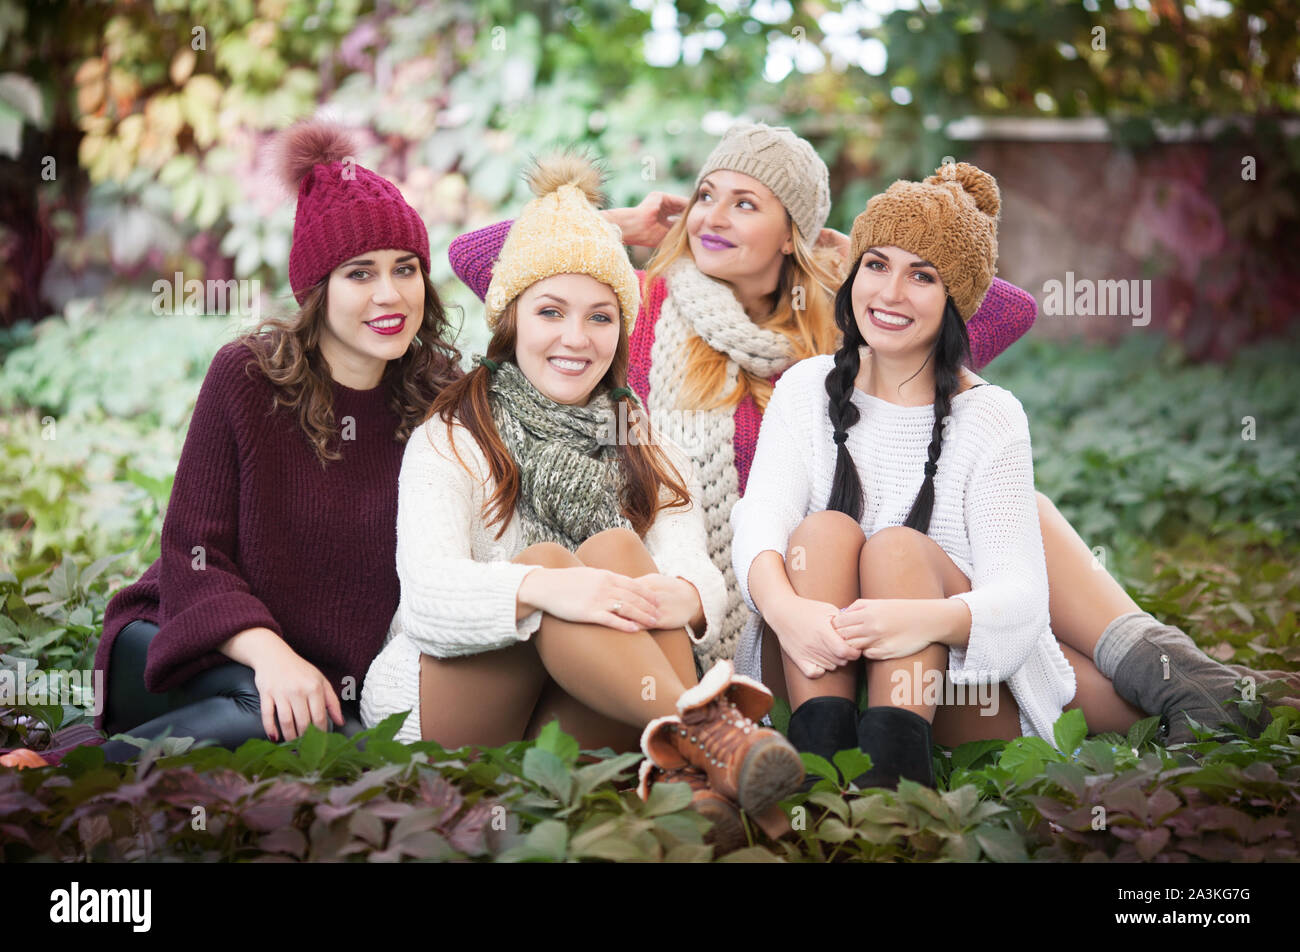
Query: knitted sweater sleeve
678	542
1008	596
204	599
1003	317
451	604
779	490
473	254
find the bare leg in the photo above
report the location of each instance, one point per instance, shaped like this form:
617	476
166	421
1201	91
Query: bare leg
489	698
618	551
904	563
821	563
1084	600
485	698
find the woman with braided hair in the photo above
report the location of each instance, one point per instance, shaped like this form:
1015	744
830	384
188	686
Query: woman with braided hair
891	528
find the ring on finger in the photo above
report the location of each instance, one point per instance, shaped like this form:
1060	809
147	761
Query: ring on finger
618	606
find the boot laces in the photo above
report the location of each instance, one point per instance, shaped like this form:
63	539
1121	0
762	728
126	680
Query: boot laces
718	730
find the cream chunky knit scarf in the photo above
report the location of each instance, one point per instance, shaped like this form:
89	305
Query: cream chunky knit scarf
697	304
570	476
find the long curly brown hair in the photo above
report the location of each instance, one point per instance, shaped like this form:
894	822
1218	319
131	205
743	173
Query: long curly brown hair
647	469
288	353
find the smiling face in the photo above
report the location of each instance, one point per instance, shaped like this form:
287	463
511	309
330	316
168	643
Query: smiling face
898	301
374	308
738	230
566	334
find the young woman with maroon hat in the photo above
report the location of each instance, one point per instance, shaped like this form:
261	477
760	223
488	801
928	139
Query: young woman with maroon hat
276	583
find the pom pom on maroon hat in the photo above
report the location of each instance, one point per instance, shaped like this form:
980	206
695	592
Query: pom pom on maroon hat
344	209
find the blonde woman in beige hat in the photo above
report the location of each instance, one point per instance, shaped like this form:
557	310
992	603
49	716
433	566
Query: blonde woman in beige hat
550	567
741	287
891	528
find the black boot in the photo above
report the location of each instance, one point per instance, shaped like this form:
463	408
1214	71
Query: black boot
899	744
823	726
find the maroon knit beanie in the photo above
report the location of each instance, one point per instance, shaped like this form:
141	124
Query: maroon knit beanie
343	209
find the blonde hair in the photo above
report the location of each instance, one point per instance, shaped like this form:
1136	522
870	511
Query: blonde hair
811	329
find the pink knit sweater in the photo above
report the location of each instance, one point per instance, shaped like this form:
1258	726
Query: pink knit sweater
1003	318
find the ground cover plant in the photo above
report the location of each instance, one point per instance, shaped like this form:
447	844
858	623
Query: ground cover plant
1194	510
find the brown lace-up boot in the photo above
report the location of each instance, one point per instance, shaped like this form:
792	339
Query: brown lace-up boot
728	830
715	730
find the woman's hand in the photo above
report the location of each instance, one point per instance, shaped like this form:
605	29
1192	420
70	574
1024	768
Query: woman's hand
678	600
803	627
584	594
647	223
293	691
830	238
884	628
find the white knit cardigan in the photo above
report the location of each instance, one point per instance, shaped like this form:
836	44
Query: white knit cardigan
458	585
985	518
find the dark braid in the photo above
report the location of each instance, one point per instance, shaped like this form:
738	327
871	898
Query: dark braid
951	350
846	488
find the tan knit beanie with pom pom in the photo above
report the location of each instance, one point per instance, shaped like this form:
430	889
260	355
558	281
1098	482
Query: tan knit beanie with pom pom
950	220
561	232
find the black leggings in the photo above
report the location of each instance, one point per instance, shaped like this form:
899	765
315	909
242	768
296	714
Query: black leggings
220	704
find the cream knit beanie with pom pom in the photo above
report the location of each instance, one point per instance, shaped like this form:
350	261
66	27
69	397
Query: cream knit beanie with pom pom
561	232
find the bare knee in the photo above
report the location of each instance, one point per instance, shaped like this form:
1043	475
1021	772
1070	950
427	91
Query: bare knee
896	553
552	555
892	541
828	531
617	546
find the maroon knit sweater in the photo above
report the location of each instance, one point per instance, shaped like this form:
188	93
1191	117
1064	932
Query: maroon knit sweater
304	550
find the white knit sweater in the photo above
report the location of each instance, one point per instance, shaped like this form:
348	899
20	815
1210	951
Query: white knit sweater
458	585
985	518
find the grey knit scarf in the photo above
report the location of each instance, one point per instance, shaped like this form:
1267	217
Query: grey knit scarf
570	477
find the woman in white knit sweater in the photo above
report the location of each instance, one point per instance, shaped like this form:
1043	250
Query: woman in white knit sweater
550	567
891	528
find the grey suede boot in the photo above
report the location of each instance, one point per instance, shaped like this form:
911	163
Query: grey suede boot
1160	670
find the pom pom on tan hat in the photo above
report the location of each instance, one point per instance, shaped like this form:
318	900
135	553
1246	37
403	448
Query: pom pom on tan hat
782	161
561	232
950	220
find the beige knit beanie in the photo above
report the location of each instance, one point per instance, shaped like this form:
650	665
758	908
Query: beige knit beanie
950	220
786	164
561	232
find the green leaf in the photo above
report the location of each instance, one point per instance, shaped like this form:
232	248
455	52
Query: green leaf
549	772
548	840
97	568
591	776
1068	776
1144	732
667	798
751	854
311	746
1001	845
689	853
852	763
832	802
1069	731
553	739
970	754
819	766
